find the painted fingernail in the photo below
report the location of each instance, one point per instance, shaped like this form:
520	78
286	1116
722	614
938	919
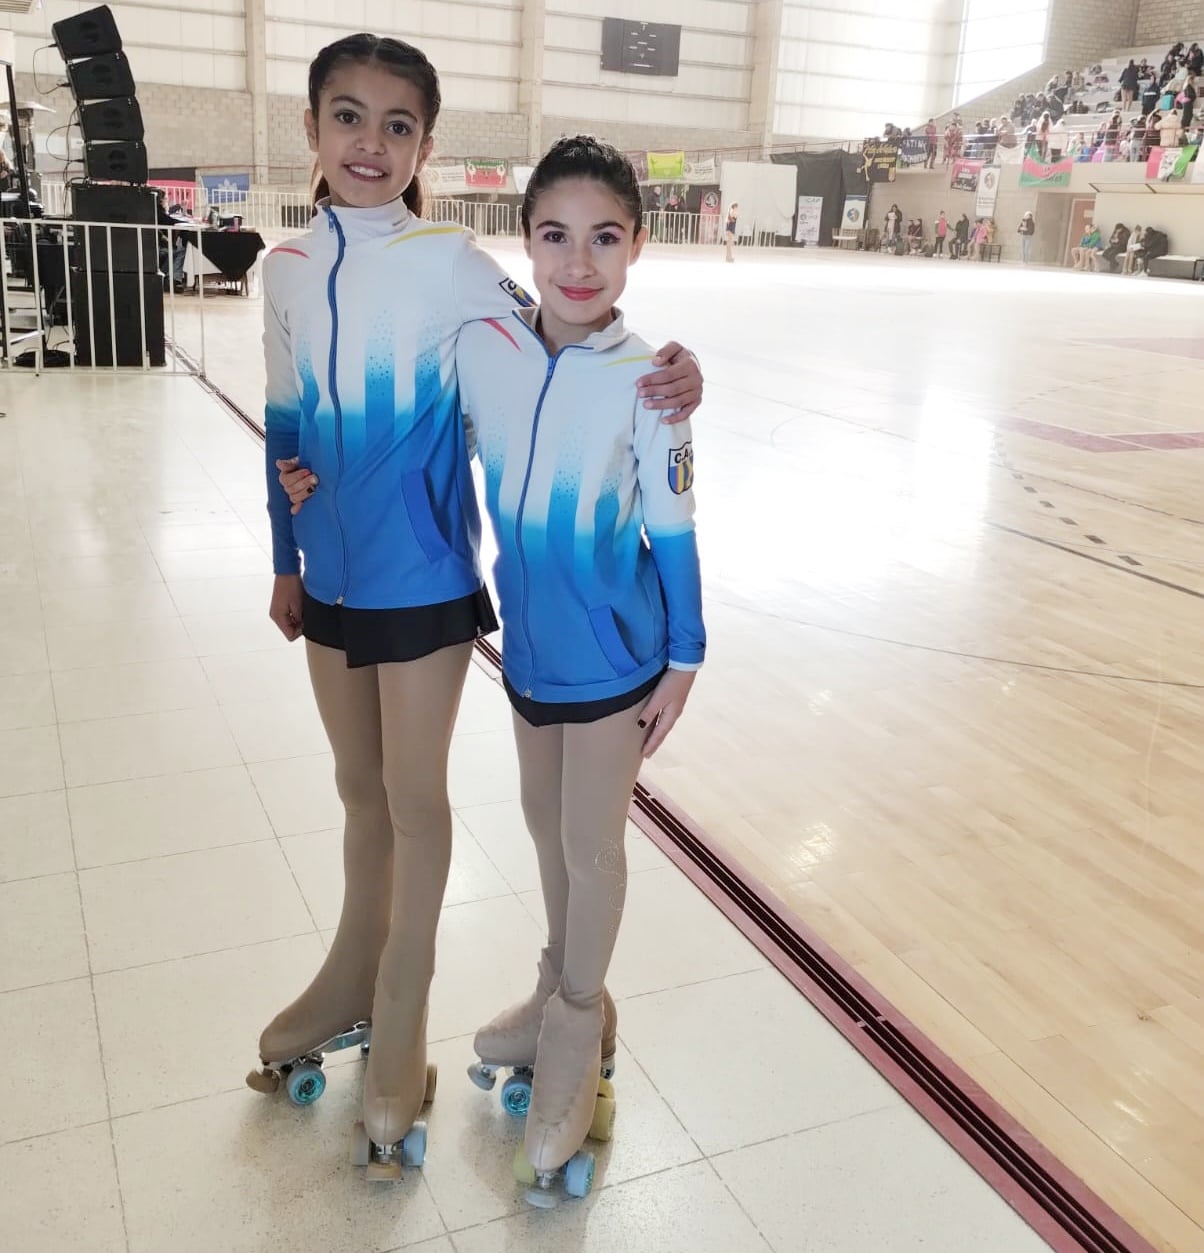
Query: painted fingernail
313	482
309	491
641	723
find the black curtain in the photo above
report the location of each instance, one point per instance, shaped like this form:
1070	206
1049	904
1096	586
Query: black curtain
832	175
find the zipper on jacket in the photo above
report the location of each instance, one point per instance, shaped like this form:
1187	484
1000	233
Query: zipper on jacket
522	502
333	381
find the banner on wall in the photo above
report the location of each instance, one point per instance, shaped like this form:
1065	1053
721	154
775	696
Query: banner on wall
810	210
225	188
1166	164
913	150
988	191
484	172
701	171
446	180
853	217
1037	173
880	160
667	165
965	175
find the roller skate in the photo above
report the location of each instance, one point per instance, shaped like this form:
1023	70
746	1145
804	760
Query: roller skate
566	1104
509	1043
397	1083
331	1014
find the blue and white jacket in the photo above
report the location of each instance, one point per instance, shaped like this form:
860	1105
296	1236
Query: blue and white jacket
361	316
577	474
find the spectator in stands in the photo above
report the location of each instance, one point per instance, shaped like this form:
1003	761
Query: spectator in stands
1137	140
961	238
953	142
915	237
1080	83
1131	262
1195	60
1106	259
1108	136
939	231
930	144
1044	126
1128	84
1169	128
1005	133
1187	101
1089	242
1026	230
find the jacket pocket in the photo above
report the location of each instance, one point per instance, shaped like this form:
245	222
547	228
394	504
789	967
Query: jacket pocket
416	492
606	632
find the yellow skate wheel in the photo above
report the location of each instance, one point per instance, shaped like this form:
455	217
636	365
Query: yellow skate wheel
603	1125
265	1081
606	1088
432	1078
524	1172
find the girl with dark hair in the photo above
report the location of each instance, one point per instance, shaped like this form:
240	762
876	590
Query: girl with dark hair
361	320
604	632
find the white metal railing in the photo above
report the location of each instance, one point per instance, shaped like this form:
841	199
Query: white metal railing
482	217
97	295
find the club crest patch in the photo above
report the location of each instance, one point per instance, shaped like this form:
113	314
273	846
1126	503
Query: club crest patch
681	468
516	293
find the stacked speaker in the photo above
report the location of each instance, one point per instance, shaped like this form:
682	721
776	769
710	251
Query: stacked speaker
116	288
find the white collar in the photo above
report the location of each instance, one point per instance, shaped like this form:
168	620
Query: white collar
394	215
608	337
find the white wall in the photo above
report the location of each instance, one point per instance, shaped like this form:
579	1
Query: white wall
474	46
203	47
1179	214
710	91
845	69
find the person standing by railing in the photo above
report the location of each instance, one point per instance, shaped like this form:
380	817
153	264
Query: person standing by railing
729	232
1026	230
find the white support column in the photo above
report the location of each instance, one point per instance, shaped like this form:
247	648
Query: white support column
257	86
530	83
763	92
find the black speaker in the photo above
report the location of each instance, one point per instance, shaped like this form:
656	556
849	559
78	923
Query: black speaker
101	78
123	206
88	34
107	120
120	163
95	330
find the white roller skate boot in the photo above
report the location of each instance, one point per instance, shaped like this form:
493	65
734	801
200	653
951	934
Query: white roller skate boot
565	1103
397	1083
510	1040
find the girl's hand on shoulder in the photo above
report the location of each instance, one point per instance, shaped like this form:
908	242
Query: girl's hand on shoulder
664	707
676	386
298	483
285	609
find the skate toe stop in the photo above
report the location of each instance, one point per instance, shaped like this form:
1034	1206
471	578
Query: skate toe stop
264	1081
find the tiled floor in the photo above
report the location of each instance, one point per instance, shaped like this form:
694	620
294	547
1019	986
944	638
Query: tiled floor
170	872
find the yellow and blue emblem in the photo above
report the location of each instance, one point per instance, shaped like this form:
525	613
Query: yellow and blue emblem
681	468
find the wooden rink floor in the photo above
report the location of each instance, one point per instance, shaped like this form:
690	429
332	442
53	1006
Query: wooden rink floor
951	520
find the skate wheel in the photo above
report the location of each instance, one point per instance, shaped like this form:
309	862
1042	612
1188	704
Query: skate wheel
524	1172
265	1081
606	1088
516	1096
579	1174
432	1079
541	1198
603	1125
305	1083
383	1172
483	1076
361	1146
413	1147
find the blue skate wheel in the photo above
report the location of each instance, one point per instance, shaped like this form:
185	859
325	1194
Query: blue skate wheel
305	1083
516	1096
413	1147
579	1174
